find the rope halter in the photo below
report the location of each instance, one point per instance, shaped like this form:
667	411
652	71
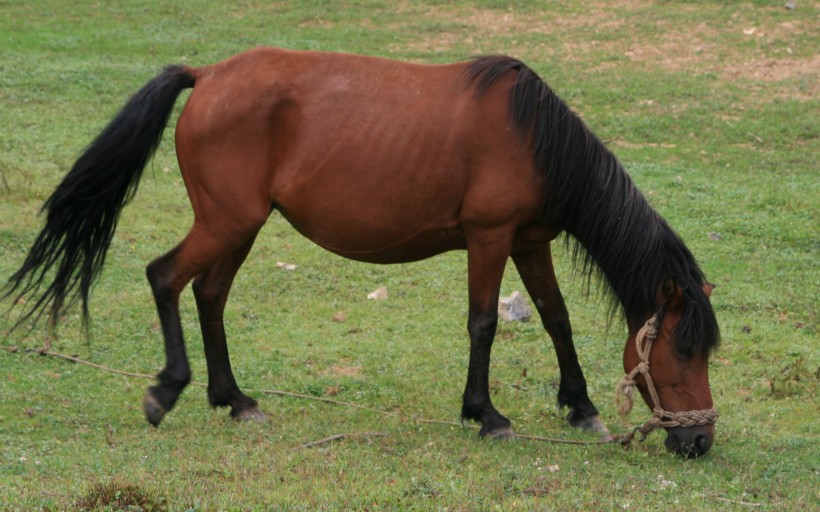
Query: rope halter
660	418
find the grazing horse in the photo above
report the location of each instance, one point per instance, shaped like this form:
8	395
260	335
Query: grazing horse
384	162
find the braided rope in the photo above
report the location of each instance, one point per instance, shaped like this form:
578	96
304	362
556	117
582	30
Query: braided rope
624	393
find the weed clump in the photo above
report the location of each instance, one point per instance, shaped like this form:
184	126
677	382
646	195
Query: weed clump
116	496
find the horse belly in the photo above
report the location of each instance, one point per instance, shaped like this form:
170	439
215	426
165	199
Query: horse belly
376	244
360	218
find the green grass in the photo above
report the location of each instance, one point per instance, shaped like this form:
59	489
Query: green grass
717	127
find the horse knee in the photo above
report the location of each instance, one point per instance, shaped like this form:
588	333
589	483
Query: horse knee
175	378
482	327
474	405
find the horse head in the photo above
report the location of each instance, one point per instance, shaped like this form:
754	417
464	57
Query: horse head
673	382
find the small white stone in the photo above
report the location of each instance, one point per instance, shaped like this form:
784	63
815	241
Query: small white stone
514	308
379	293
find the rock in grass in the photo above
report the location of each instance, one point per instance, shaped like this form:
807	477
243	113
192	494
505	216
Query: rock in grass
379	293
514	308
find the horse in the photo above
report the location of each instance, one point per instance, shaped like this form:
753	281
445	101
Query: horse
385	162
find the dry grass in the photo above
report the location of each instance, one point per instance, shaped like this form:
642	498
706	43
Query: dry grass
748	43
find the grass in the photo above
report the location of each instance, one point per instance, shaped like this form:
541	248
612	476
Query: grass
711	106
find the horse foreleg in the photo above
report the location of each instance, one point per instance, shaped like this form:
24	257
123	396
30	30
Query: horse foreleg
538	275
211	290
487	256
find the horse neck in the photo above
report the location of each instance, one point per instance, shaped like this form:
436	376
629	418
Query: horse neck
588	195
620	236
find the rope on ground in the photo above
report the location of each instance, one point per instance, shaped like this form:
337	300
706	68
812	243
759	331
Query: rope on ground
339	437
739	502
93	365
276	392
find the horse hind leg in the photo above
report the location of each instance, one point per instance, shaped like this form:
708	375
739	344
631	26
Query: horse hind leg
211	290
538	275
161	398
168	275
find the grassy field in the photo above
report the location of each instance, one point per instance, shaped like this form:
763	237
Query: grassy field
713	108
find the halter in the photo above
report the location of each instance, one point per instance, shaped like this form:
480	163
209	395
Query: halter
660	417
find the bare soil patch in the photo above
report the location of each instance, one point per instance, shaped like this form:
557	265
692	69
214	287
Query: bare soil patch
751	46
342	371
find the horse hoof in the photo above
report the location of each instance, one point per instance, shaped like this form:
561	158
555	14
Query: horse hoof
252	415
154	411
594	424
499	434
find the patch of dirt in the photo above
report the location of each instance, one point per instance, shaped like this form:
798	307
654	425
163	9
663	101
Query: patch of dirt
732	52
769	69
342	371
750	47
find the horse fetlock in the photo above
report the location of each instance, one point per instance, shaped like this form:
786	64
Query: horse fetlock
580	406
217	399
475	409
174	380
581	414
234	399
493	424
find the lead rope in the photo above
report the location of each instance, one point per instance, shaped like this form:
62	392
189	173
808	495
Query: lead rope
623	398
660	418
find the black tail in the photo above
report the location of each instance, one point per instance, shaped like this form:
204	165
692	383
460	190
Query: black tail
83	211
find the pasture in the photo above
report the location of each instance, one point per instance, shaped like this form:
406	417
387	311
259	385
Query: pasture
711	106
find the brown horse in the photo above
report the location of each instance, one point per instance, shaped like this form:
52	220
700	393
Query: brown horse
384	162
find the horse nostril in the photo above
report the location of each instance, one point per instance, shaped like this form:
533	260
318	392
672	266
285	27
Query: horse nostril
672	443
696	447
702	444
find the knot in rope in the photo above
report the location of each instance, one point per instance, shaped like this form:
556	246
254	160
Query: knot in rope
624	393
624	390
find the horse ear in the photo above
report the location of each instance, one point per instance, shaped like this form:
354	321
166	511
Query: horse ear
707	289
670	294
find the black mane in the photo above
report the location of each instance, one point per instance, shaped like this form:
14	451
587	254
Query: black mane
617	234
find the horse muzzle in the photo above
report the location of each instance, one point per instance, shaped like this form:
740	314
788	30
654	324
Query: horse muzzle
690	442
